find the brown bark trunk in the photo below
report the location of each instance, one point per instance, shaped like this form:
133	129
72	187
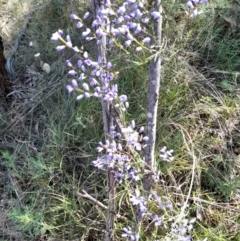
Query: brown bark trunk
4	81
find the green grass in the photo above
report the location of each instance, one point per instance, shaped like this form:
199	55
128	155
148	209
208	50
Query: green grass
47	150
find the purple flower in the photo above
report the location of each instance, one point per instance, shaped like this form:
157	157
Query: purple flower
74	84
74	16
195	13
123	98
79	63
139	49
76	49
60	47
69	88
190	5
158	220
93	81
128	233
79	24
85	86
69	63
72	72
79	97
129	37
85	55
109	65
138	29
82	76
155	14
168	204
121	10
86	15
119	20
145	20
83	68
57	35
87	95
145	138
69	42
132	25
128	43
100	32
166	155
86	32
138	14
146	40
88	62
89	38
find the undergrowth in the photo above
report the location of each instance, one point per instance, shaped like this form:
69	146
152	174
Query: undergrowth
49	139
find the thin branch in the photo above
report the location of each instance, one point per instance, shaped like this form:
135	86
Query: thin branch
88	196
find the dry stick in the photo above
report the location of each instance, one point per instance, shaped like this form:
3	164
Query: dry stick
152	107
152	102
107	111
88	196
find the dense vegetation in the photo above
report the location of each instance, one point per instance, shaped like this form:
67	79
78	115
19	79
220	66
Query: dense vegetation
49	139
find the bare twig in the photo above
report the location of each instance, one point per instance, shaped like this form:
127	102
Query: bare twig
88	196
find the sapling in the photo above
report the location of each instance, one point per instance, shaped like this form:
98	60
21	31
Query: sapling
127	154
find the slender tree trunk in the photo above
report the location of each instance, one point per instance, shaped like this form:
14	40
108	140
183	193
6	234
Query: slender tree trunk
152	102
107	111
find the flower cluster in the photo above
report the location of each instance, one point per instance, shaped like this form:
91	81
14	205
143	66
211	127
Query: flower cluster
166	155
192	4
139	201
127	21
115	160
115	157
128	233
180	231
